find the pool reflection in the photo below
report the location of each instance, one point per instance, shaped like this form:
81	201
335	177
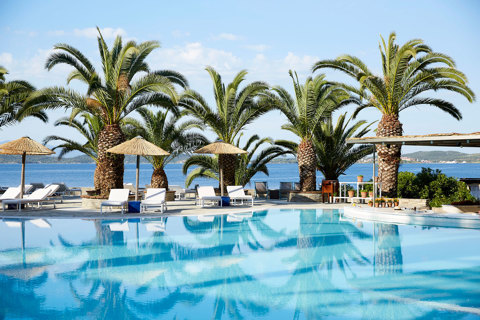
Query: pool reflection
268	264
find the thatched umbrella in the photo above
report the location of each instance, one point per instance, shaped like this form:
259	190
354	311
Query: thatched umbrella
24	146
139	147
220	147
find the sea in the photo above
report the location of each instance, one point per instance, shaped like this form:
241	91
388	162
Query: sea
81	175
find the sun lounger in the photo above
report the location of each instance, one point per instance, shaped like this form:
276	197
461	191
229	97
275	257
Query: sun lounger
155	225
132	189
285	188
116	198
39	196
236	194
14	192
155	198
261	189
11	193
36	185
207	193
179	192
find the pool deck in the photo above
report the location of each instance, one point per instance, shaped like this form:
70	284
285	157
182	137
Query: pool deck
72	208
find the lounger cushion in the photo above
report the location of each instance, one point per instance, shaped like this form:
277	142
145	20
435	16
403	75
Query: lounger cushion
113	203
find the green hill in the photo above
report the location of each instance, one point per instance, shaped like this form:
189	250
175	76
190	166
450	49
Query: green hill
437	156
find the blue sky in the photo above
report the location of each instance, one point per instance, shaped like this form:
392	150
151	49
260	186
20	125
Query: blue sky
265	37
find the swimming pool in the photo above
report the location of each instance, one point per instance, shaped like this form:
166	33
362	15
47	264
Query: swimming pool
275	264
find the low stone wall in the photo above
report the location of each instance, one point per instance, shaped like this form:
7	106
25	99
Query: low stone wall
458	208
92	203
311	196
413	203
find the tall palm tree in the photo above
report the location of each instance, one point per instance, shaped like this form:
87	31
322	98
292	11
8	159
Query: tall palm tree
234	109
334	155
164	130
246	166
12	97
314	101
409	72
89	127
111	97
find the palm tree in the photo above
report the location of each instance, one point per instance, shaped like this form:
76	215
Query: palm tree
246	166
164	131
89	127
313	102
112	98
12	97
334	155
409	72
234	110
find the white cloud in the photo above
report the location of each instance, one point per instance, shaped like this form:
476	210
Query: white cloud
6	59
299	63
32	69
226	36
257	47
108	33
192	58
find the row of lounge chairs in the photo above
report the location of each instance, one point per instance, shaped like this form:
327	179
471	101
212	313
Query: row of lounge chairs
155	198
262	190
40	196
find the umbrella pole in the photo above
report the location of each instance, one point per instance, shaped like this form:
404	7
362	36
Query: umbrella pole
138	175
22	179
221	181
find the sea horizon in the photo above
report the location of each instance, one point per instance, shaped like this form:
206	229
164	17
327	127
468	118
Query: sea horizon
81	175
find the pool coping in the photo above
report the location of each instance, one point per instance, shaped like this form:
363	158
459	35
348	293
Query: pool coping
410	217
71	209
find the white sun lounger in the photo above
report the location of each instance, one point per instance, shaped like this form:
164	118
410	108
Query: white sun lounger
207	193
236	193
116	198
154	198
11	193
179	191
14	192
39	196
157	225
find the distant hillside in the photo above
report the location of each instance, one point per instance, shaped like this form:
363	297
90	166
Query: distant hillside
442	156
419	156
78	159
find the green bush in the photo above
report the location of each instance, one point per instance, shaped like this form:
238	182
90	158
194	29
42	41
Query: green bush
434	186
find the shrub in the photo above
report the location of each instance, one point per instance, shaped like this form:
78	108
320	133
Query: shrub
434	186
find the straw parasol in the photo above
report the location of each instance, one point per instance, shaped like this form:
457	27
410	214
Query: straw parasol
139	147
24	146
220	147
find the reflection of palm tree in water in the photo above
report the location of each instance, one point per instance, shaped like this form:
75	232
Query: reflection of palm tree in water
388	253
323	242
226	242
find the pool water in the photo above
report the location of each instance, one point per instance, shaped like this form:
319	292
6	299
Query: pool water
275	264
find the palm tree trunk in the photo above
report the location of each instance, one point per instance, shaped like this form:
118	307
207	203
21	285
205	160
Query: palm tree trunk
389	155
228	162
307	167
159	178
389	257
109	171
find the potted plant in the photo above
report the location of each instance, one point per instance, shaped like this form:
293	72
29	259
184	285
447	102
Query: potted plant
370	203
390	203
382	202
350	191
396	202
377	203
363	192
360	178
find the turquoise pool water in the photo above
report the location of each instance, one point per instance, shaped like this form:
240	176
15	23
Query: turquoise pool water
276	264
